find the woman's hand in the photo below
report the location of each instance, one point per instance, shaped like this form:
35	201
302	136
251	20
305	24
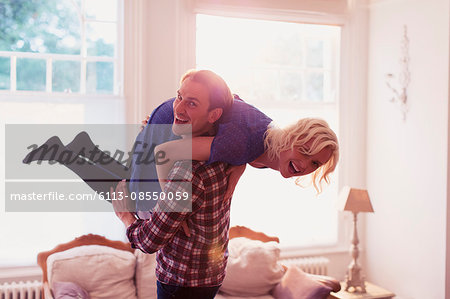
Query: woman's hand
175	150
234	174
144	122
186	229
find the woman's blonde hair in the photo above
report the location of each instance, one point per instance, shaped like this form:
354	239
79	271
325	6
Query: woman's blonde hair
296	136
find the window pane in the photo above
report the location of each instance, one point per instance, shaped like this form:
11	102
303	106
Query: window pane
297	216
101	38
66	76
5	66
31	74
282	45
279	56
266	62
100	77
43	231
314	50
51	26
314	87
266	80
291	86
104	10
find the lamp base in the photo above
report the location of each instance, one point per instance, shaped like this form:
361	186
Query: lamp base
354	281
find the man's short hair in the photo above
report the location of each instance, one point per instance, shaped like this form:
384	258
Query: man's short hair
219	93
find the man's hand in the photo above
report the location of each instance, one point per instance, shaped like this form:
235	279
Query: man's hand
119	203
234	174
120	207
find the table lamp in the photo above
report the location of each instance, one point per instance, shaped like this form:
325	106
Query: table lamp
354	200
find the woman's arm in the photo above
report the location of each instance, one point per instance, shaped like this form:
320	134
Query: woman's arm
234	174
177	150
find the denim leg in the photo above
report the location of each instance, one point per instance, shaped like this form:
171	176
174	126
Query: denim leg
166	291
202	292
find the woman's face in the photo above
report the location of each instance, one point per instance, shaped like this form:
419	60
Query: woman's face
293	163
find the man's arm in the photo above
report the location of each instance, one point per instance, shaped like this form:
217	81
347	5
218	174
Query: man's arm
153	234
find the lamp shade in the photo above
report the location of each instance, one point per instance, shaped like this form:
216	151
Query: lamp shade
355	200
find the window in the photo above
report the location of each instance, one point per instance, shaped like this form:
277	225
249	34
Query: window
60	46
289	71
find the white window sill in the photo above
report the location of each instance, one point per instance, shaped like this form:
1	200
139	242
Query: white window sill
20	273
314	251
54	97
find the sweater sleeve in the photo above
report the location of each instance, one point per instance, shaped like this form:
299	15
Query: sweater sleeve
240	135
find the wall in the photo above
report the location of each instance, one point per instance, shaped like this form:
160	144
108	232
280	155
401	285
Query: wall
447	266
156	53
407	160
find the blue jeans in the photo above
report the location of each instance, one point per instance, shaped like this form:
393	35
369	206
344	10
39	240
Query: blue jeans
166	291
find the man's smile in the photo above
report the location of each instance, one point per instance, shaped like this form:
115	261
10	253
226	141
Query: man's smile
180	119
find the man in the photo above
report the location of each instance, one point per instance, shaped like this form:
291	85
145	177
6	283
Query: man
189	267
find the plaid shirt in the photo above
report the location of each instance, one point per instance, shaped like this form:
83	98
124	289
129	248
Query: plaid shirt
198	260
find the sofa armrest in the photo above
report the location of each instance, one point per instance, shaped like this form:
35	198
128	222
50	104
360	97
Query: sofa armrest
242	231
46	290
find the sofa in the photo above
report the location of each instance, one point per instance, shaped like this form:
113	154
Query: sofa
92	266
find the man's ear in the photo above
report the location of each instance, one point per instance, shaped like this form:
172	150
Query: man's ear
214	115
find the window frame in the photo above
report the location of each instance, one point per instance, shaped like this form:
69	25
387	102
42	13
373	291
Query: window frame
10	273
83	58
296	16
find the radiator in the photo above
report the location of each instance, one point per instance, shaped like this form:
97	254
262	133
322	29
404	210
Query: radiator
21	290
313	265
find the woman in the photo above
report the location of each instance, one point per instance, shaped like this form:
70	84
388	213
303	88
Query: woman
308	146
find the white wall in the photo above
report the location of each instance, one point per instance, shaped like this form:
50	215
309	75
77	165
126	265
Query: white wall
156	52
407	160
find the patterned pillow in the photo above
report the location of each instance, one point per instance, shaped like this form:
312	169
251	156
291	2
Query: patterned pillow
68	290
296	284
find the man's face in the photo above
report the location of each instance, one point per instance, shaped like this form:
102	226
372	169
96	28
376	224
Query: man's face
191	108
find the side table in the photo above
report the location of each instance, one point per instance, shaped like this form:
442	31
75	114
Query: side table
373	292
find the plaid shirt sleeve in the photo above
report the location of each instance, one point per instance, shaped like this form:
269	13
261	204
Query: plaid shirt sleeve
152	234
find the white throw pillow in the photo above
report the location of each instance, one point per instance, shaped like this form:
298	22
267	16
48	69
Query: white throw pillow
102	271
252	267
145	275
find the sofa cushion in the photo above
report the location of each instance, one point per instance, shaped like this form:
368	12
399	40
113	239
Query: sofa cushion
104	272
252	268
145	275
